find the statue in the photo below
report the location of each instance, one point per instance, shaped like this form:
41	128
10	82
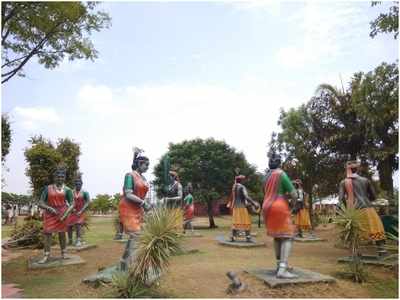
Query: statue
277	215
240	202
77	218
188	209
357	192
302	215
57	202
132	204
174	197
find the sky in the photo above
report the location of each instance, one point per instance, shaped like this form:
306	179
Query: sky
174	71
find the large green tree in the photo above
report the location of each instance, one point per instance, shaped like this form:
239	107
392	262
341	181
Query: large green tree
386	22
210	166
43	157
102	203
5	136
376	100
48	31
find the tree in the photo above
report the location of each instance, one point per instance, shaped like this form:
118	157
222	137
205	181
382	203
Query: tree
101	203
375	97
303	154
48	31
5	136
43	157
210	166
386	23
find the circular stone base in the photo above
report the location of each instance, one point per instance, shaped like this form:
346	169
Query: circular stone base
239	243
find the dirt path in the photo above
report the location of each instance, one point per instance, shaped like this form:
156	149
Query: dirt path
199	275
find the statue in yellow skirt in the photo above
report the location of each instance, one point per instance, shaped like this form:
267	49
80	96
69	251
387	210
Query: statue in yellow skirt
240	202
357	191
302	214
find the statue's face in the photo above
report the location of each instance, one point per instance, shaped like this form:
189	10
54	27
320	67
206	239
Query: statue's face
171	178
144	166
78	184
59	178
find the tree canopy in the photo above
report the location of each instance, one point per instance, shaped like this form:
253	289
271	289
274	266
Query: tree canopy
210	166
43	157
48	31
5	136
386	23
335	125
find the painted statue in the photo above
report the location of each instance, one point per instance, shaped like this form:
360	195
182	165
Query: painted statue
240	202
302	214
277	215
133	205
57	202
357	192
77	218
188	209
174	197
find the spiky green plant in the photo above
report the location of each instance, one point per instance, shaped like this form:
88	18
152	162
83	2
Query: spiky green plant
159	240
350	222
124	288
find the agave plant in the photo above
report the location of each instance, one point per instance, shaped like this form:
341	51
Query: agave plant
159	240
351	225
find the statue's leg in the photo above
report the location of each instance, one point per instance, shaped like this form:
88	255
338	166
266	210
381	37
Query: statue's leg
277	247
283	271
70	234
120	232
248	235
233	235
191	226
78	235
63	244
300	232
128	253
381	248
47	245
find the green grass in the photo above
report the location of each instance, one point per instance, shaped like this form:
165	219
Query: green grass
387	288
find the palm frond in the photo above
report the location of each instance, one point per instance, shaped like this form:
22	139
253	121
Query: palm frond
329	88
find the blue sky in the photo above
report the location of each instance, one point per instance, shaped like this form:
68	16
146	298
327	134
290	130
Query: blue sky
169	71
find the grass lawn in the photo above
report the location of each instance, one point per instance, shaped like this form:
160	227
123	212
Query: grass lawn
202	274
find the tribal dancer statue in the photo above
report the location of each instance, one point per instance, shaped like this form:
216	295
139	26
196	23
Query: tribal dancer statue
357	192
57	202
132	204
174	197
188	209
77	217
240	202
302	215
276	212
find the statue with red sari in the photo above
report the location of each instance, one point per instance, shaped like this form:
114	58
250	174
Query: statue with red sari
57	202
277	215
77	218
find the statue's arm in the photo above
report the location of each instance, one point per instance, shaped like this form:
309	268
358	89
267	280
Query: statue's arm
371	191
248	198
179	195
43	203
86	199
342	192
70	203
129	185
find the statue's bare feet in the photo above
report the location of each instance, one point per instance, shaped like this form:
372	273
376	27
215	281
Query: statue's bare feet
45	259
78	243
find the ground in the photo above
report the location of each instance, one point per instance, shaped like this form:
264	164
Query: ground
202	274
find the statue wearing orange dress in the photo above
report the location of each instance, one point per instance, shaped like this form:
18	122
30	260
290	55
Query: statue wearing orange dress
302	215
277	215
357	192
132	204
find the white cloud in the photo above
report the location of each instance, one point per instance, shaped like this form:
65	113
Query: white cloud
324	28
33	117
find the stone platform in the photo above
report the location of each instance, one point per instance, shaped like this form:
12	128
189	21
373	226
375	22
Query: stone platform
54	262
105	276
386	261
121	241
239	243
308	239
305	276
73	248
189	234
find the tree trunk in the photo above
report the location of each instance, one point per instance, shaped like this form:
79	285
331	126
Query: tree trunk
210	213
385	175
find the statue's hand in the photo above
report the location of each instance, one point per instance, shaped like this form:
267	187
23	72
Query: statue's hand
78	213
52	210
146	206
